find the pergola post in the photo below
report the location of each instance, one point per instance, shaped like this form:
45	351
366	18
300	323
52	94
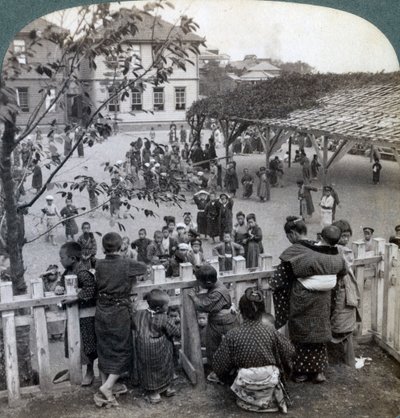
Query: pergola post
290	152
325	161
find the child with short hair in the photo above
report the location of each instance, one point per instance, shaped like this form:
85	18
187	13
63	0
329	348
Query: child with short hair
226	250
89	246
141	245
218	304
71	228
113	318
126	250
268	319
154	346
70	258
202	323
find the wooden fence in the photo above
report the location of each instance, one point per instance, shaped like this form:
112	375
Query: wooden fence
380	304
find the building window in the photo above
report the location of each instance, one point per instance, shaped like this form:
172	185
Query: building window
137	101
22	99
51	95
113	104
136	55
180	98
20	50
158	98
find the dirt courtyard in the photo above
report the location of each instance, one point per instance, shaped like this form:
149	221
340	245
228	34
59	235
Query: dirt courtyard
372	391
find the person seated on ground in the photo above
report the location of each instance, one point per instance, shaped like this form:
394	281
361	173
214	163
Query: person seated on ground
226	250
155	251
126	249
195	255
180	256
255	356
369	244
70	258
169	244
155	332
218	304
182	235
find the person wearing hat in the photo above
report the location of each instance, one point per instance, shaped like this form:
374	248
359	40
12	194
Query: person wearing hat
180	256
182	234
327	202
225	215
368	233
201	199
50	212
395	239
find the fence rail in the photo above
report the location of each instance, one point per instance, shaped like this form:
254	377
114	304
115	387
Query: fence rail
380	308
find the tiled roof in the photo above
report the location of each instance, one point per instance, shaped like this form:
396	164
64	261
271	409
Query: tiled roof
162	30
264	66
370	113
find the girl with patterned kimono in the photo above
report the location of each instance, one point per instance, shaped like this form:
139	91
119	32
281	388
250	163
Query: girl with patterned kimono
89	246
218	304
257	366
154	334
70	257
253	241
307	311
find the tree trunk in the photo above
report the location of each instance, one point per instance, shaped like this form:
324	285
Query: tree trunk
15	242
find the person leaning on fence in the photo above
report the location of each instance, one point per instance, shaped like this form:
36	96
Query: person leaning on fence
255	356
154	333
218	304
113	318
70	258
226	250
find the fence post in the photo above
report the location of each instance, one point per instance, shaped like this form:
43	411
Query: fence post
388	313
265	262
359	253
42	341
186	271
10	346
239	266
214	262
396	281
191	356
377	286
158	274
73	331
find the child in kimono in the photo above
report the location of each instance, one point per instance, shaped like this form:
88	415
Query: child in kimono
89	246
226	250
253	241
141	245
113	318
70	258
247	182
71	227
218	304
154	346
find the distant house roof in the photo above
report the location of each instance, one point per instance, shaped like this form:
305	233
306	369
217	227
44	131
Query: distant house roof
370	113
264	66
162	30
256	75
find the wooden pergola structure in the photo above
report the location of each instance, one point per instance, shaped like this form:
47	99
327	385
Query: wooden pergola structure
368	115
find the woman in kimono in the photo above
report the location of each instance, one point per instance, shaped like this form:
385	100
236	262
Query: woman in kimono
376	171
115	277
315	165
263	185
306	307
212	215
37	178
305	199
305	163
257	368
213	177
225	215
253	241
201	200
247	182
71	227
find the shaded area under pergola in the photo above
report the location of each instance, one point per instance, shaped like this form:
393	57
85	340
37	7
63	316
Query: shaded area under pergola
367	115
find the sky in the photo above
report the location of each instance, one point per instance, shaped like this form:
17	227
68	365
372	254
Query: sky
329	40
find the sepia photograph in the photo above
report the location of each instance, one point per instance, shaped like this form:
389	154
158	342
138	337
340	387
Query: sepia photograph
199	212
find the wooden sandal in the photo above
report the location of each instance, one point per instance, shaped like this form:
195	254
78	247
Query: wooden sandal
101	401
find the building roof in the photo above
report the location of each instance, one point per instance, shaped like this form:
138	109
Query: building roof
264	66
256	75
162	29
370	113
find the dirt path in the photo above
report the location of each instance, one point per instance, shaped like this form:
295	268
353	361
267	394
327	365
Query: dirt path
372	391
